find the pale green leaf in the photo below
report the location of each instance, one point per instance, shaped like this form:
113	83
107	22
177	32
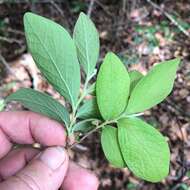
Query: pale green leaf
135	77
40	103
55	54
112	87
144	149
110	146
89	109
87	42
154	87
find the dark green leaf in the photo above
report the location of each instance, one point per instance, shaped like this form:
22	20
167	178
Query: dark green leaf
89	110
55	54
154	87
144	149
40	103
83	126
87	42
112	87
110	146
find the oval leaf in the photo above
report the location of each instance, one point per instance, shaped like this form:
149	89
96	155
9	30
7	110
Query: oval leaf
110	146
112	87
135	77
154	87
55	54
40	103
87	42
89	110
144	149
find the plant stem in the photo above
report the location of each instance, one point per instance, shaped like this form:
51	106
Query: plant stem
94	130
84	93
105	123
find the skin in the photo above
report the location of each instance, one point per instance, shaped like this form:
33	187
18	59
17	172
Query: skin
24	169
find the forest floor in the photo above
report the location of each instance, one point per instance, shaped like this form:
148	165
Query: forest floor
141	33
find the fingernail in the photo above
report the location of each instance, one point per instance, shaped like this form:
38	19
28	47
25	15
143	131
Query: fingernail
53	157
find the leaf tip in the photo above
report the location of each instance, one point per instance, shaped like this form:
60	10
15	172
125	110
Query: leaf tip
82	14
28	15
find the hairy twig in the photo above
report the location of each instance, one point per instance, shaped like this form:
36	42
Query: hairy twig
181	28
90	8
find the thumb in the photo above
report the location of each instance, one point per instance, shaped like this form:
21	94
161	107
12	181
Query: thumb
46	171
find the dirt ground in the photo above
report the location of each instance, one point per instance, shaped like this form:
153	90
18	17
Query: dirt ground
141	33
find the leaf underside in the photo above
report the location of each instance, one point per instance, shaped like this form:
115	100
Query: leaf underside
40	103
55	54
144	149
83	126
87	42
89	109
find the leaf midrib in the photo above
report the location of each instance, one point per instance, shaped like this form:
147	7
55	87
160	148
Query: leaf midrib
86	48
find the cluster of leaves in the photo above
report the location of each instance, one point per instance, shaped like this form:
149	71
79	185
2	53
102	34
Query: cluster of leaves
118	96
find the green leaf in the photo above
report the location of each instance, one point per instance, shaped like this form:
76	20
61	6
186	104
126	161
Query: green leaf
83	126
89	110
55	54
112	87
154	87
144	149
110	146
87	42
135	77
40	103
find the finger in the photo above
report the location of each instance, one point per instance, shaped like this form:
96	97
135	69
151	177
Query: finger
44	172
27	128
15	161
79	177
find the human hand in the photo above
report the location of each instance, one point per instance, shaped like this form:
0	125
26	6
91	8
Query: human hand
29	169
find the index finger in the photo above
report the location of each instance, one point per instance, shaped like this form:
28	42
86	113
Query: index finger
26	127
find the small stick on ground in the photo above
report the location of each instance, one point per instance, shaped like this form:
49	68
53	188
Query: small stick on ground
181	28
7	67
124	5
60	11
90	8
10	40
